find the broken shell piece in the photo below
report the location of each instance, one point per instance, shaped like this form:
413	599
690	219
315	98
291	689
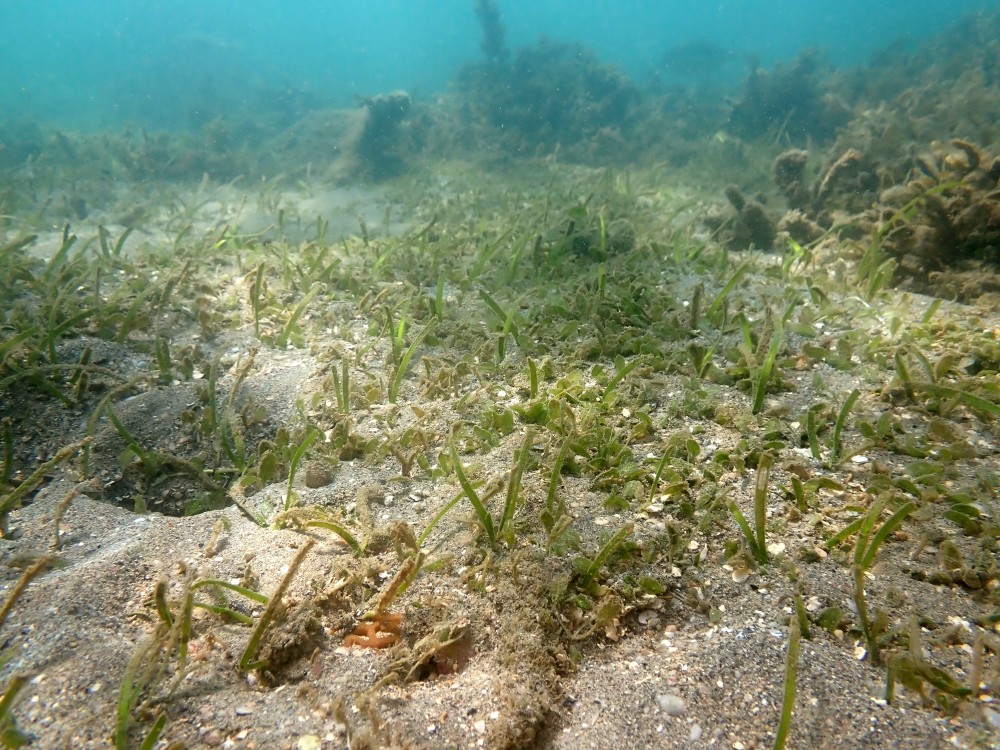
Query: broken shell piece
741	574
611	631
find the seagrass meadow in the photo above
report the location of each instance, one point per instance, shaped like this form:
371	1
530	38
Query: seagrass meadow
660	423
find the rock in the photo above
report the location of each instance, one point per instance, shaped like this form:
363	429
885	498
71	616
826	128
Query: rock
752	226
790	177
318	474
800	227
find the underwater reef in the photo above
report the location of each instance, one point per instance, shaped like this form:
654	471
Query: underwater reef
944	215
906	173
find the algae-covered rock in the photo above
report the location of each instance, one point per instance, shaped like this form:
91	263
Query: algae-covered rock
788	101
790	177
551	96
797	225
381	148
940	223
751	227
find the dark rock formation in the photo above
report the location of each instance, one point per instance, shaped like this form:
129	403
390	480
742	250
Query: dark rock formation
752	227
379	148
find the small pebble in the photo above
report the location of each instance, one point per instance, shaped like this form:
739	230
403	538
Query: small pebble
243	710
670	704
992	717
648	619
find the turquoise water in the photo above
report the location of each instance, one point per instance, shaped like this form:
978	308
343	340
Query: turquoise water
86	64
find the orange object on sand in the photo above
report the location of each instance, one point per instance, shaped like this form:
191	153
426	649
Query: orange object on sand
381	631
